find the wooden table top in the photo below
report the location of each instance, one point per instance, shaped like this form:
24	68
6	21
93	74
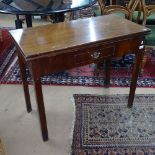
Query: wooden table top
53	38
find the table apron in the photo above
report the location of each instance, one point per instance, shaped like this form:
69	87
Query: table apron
128	46
83	56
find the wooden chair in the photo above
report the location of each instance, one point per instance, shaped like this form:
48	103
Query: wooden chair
126	10
146	11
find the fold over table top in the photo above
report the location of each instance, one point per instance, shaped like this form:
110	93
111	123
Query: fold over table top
54	38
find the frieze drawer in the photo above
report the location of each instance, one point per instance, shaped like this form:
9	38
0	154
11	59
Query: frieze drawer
100	52
94	54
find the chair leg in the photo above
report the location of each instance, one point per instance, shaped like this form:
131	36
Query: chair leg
138	17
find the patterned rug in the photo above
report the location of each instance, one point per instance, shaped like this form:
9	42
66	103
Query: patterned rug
7	51
81	76
105	126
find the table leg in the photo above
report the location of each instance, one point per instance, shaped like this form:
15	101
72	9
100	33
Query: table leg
58	17
18	22
107	72
135	73
25	84
28	20
41	108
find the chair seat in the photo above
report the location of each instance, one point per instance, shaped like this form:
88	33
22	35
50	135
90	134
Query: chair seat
150	19
150	39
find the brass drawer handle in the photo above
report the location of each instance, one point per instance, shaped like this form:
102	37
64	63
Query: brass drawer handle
95	55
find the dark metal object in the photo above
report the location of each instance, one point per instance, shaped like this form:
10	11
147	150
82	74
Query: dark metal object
28	20
18	22
58	17
55	8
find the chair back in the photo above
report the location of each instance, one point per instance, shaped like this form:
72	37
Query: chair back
102	6
133	4
127	10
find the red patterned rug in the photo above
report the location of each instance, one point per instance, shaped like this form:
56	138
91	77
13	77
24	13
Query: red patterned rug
7	51
81	76
105	126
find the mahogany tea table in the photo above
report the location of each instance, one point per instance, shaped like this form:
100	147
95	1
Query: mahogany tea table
61	46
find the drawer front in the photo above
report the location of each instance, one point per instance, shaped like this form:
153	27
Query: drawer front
100	53
81	56
71	59
127	46
93	54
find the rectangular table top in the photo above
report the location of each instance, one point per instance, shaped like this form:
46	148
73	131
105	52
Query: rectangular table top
54	38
